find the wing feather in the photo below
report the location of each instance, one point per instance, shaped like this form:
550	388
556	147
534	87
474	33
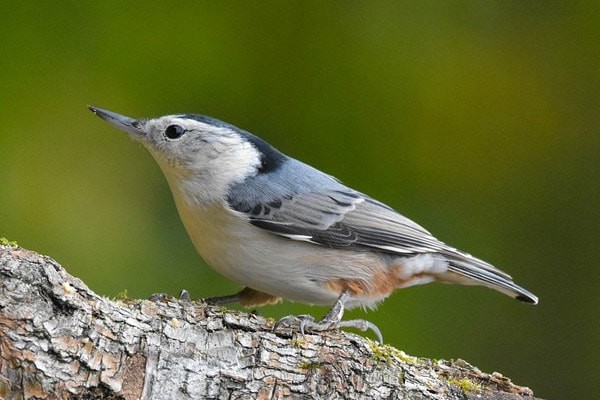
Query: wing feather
344	218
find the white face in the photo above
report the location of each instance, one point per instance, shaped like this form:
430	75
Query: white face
199	160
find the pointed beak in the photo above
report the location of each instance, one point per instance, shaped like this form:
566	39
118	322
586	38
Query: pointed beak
130	125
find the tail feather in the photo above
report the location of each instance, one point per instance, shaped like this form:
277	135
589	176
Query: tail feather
473	271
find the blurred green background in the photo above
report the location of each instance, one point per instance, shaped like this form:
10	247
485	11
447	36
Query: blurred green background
479	120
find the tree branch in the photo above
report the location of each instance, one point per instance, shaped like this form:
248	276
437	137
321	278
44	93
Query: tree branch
58	339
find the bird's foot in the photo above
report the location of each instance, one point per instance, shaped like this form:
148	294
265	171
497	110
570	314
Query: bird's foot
184	295
307	323
331	320
156	297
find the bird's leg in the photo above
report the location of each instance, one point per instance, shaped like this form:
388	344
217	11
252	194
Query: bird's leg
231	298
247	297
331	320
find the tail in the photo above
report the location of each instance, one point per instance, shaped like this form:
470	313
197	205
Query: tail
469	270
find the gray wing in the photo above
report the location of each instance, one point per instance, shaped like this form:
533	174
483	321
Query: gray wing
302	203
344	219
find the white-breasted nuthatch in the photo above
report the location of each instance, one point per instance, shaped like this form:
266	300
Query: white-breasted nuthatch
284	229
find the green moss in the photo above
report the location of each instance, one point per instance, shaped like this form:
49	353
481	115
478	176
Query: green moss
381	353
309	365
5	242
407	358
385	353
466	385
297	343
122	295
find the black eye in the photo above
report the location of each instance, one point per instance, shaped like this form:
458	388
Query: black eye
174	132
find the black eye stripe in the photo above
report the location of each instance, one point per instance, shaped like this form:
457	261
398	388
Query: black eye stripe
174	132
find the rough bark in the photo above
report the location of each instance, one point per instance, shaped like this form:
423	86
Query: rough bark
60	340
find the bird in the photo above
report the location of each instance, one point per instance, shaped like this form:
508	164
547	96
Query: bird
283	229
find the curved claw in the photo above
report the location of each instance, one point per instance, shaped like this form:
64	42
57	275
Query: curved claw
301	320
301	326
362	325
289	319
376	330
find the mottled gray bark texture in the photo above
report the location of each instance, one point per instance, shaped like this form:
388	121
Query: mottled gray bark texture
60	340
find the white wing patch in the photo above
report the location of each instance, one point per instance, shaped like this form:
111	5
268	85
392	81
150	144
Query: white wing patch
304	238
